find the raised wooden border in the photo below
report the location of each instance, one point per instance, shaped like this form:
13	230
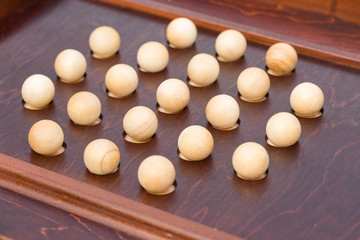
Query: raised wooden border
100	206
251	33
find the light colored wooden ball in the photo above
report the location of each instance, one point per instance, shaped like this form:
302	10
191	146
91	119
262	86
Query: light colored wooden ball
156	175
222	112
121	80
104	42
250	161
230	45
195	143
253	84
203	70
181	33
152	57
307	100
281	59
283	129
70	66
102	157
46	138
84	108
140	124
37	91
172	96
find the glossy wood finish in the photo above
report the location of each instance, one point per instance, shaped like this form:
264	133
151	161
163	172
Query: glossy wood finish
109	209
311	190
346	10
17	211
317	35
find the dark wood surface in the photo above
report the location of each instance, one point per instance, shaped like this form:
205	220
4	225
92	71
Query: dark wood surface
311	191
122	214
266	22
47	222
7	7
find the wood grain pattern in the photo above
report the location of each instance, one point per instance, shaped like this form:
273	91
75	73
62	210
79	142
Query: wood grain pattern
342	9
311	191
47	222
317	35
348	10
98	205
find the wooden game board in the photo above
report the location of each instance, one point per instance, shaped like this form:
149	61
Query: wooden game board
312	188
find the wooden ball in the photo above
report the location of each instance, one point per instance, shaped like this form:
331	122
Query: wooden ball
250	161
222	112
140	124
203	70
281	59
102	157
121	80
283	129
152	57
172	96
181	33
84	108
253	84
46	138
70	66
156	175
195	143
230	45
307	100
104	42
37	91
